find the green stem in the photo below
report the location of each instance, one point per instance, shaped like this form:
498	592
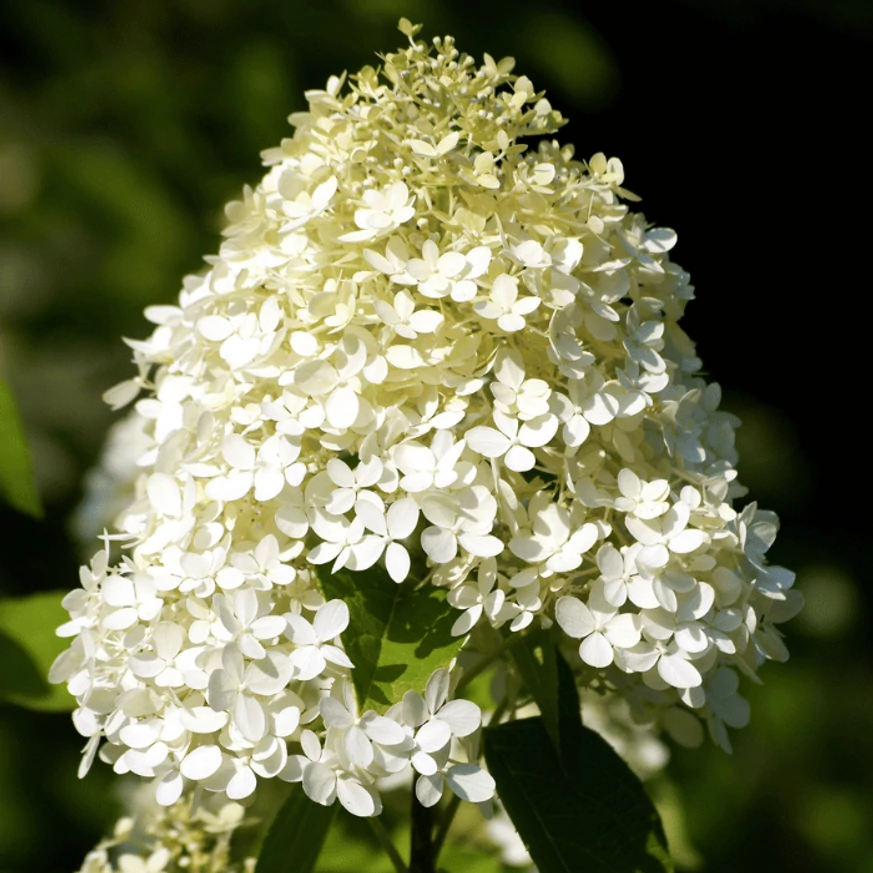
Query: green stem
445	825
387	845
422	858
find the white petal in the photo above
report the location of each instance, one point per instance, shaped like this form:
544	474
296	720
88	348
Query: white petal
118	591
467	621
596	650
433	735
623	631
169	788
488	442
203	720
342	408
687	541
436	692
168	639
413	709
646	533
139	736
383	730
629	483
309	662
429	789
691	638
319	783
584	538
249	717
315	378
538	431
470	782
336	656
600	409
576	431
486	546
574	617
529	549
510	322
269	482
300	631
331	620
365	553
238	452
164	494
678	672
242	784
268	627
462	716
397	562
201	763
425	320
423	763
520	459
404	357
334	713
357	799
294	768
214	328
402	518
232	487
286	721
440	545
357	747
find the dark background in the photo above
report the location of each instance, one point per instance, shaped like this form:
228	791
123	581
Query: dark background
125	127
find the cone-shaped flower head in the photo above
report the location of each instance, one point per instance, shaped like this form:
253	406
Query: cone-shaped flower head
432	343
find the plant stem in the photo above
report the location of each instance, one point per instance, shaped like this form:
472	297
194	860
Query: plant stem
500	711
422	858
387	845
445	825
455	803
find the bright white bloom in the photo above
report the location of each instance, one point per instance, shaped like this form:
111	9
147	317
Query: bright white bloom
438	724
426	343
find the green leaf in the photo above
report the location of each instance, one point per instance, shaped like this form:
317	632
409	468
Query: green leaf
294	840
536	660
17	484
397	635
351	847
583	812
28	647
551	684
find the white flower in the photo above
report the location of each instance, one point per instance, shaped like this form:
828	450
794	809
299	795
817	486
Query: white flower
670	530
436	723
313	640
642	499
384	211
513	440
426	344
404	319
505	306
450	274
601	627
554	542
482	598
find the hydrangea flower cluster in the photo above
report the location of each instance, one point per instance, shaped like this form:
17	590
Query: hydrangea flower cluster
182	837
424	344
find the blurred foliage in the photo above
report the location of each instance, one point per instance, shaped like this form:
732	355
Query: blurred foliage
125	126
28	648
17	485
